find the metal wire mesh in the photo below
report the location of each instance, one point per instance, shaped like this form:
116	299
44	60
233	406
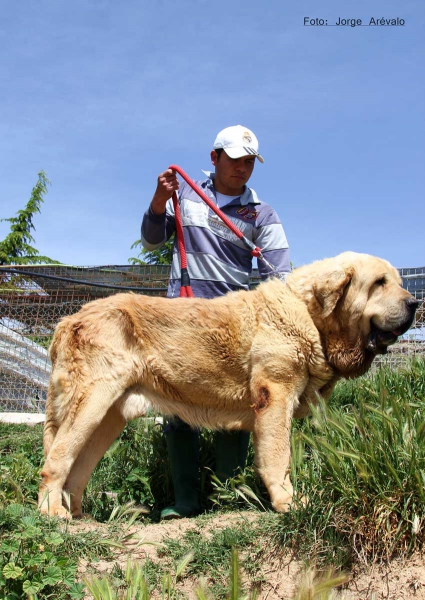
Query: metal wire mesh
413	342
34	298
32	301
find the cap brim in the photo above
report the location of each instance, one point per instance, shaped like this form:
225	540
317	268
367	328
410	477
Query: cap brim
242	151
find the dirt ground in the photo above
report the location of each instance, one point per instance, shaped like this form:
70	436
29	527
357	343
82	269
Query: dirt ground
401	580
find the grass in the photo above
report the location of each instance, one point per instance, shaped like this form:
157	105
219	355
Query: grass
134	584
211	554
358	468
39	557
362	471
21	457
136	469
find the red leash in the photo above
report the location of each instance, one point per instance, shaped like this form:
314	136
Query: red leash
185	288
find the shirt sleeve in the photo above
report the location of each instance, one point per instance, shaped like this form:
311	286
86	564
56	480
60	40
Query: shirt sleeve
157	229
271	239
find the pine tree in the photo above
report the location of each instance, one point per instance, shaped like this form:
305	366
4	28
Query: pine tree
160	256
15	249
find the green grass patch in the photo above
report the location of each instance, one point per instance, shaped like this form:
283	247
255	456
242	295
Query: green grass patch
211	553
39	557
360	464
358	467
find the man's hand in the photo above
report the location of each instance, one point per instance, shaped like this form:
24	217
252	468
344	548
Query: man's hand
167	184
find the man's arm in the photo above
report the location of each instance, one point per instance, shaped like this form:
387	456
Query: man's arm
158	221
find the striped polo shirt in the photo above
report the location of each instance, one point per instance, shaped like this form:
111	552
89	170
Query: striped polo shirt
218	262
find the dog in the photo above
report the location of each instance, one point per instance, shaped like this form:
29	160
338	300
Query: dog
249	360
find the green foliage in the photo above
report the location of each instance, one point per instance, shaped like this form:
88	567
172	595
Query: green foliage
160	256
34	561
15	249
234	590
39	557
21	457
316	586
362	472
210	556
358	470
136	469
242	491
135	584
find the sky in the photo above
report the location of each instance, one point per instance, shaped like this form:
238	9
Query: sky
104	95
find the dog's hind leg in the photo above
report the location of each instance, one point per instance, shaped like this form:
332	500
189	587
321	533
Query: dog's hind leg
72	436
107	432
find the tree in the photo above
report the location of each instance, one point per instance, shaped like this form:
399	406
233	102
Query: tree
160	256
15	249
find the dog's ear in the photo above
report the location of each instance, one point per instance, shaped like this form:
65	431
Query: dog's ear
329	290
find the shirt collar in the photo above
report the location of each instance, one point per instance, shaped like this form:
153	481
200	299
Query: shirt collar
248	197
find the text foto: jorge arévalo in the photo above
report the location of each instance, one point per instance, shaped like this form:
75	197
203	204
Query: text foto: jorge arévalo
352	22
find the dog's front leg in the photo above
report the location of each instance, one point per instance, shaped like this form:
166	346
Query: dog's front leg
273	405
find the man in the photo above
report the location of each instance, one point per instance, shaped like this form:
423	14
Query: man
218	262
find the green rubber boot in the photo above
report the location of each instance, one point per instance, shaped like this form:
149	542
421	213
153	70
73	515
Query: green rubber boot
183	450
231	449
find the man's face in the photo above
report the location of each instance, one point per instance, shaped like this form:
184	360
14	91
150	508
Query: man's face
231	174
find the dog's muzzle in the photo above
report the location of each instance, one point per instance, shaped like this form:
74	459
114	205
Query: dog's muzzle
379	340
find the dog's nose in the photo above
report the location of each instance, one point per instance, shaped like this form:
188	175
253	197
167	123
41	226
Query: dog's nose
412	303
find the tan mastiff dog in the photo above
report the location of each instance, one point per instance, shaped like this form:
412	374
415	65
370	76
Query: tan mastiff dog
248	360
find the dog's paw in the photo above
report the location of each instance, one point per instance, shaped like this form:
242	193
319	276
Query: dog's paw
283	498
54	511
282	505
290	503
80	516
63	513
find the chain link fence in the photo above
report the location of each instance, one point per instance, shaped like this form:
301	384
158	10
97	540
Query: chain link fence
34	298
412	343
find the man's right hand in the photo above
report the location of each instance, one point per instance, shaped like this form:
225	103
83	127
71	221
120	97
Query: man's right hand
167	184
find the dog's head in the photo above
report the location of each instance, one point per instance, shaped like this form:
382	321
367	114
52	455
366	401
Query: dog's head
357	304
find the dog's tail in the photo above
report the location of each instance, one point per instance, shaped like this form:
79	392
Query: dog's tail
50	425
56	407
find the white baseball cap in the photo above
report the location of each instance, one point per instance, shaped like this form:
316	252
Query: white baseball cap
237	141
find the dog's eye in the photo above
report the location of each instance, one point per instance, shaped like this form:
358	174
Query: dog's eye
381	281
